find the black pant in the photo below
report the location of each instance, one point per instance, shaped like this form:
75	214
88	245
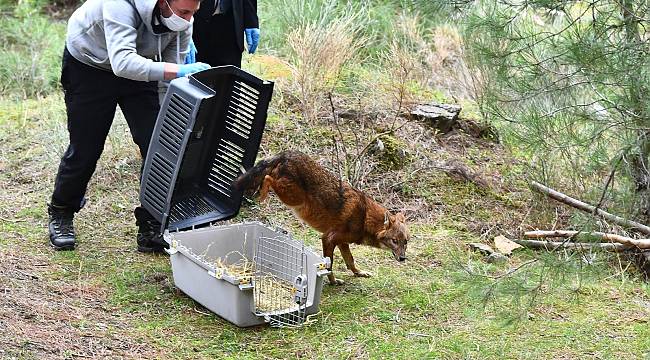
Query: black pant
216	41
91	99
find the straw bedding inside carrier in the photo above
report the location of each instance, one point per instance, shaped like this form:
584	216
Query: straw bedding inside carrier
273	294
242	270
270	292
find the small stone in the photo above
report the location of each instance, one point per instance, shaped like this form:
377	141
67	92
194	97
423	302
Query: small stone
496	258
505	245
482	248
378	147
441	116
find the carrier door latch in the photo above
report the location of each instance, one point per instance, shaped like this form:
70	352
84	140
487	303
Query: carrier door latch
300	289
322	269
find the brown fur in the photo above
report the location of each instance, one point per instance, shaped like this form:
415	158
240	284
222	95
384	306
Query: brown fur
342	214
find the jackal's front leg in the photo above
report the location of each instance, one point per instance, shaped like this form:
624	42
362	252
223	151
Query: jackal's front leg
349	261
328	251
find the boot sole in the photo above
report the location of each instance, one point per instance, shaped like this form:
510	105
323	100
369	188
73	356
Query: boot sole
151	250
64	247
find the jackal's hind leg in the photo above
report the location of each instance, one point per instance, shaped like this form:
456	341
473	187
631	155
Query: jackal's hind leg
267	183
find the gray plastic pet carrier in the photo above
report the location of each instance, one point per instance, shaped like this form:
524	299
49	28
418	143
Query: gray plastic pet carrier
207	133
249	274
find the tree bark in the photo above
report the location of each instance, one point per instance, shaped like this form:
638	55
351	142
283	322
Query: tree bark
641	174
639	164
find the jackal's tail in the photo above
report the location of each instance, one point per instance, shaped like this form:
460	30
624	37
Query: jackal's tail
251	180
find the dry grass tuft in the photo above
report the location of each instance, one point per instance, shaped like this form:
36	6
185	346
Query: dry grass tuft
319	53
448	68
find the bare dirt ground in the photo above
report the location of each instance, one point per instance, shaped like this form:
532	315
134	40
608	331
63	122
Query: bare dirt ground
40	317
46	312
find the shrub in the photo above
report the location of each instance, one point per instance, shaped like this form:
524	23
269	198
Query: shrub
31	45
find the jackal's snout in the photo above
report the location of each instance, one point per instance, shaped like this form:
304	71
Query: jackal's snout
400	253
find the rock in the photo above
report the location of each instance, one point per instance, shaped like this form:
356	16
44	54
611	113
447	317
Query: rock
441	116
496	258
378	147
505	245
482	248
391	153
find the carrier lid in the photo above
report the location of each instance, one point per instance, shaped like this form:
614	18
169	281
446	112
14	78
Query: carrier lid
208	132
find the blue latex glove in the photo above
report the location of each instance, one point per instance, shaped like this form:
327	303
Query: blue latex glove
252	39
187	69
190	58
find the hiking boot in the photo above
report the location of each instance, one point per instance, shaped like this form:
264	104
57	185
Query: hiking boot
150	239
61	227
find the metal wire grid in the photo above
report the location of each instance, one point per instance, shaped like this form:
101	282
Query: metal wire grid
280	281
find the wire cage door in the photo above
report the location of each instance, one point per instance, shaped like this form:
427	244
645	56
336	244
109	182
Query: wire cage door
280	281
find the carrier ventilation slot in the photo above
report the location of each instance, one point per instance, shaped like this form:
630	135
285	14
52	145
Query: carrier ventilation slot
241	110
226	167
174	124
158	182
190	207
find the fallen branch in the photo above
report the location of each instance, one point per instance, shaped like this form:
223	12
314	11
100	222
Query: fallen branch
456	170
459	171
629	242
13	220
554	245
588	208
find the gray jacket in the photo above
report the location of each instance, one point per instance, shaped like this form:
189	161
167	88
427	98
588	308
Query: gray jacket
117	35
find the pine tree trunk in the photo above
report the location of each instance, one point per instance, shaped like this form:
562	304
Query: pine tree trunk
641	172
639	165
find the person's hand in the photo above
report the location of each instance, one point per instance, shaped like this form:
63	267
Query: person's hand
190	58
187	69
252	39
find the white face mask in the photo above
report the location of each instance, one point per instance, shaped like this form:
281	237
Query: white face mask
175	22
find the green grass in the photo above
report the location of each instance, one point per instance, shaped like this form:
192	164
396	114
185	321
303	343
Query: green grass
31	46
437	305
426	308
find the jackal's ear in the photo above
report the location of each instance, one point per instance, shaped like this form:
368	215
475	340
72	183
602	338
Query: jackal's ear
388	219
400	217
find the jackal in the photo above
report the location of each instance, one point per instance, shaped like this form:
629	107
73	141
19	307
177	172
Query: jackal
343	214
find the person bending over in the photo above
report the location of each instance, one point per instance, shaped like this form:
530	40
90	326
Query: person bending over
116	52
